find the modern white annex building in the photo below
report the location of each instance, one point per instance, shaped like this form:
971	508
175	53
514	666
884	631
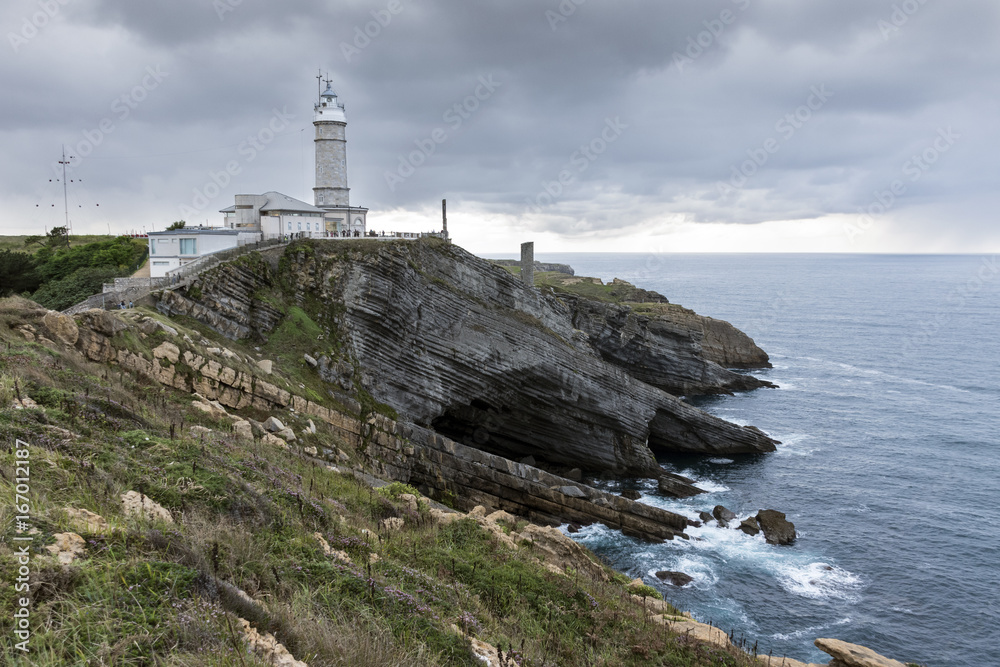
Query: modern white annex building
173	249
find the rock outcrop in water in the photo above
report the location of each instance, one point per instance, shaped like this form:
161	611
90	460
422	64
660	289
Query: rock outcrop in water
457	344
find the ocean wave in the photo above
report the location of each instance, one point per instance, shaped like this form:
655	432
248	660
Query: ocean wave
818	581
792	445
872	372
704	483
810	631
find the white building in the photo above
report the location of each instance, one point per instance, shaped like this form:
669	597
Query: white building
273	215
173	249
276	215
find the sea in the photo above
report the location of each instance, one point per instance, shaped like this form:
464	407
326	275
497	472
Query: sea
888	413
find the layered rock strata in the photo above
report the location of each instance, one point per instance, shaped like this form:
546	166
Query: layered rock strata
675	350
454	343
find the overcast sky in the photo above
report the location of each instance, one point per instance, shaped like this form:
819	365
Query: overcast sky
701	125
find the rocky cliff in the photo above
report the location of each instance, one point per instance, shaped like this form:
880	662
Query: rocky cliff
459	345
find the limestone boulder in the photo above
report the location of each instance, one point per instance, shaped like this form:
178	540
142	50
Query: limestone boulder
631	494
286	434
266	365
137	504
777	529
169	351
695	630
68	547
212	408
560	550
272	439
243	429
270	649
87	521
779	661
273	425
853	655
62	327
411	502
102	321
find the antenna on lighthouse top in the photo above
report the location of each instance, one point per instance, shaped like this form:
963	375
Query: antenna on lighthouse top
319	83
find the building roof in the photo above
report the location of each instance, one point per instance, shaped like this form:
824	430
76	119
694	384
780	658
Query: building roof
198	230
279	202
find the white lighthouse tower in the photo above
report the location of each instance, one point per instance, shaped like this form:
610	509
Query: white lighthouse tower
331	192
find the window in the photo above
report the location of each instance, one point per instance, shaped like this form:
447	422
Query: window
188	247
152	246
161	263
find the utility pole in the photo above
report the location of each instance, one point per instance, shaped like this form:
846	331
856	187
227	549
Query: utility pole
65	162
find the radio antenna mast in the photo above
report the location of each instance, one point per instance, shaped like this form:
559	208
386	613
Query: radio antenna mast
65	162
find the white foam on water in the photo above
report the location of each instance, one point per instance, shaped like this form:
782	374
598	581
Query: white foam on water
704	483
700	570
819	581
735	420
787	386
810	631
720	462
797	573
795	444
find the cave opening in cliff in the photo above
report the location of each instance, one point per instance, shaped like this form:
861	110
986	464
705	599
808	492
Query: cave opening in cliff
487	427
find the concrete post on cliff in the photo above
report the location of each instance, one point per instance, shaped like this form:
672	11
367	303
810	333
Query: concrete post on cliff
528	263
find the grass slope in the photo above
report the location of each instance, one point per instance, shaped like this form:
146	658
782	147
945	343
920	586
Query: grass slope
154	593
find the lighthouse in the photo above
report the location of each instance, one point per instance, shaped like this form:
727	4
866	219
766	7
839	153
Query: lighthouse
331	192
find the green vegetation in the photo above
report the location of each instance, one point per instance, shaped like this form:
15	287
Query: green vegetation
247	517
59	274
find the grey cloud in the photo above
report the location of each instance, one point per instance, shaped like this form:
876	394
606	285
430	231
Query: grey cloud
690	122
